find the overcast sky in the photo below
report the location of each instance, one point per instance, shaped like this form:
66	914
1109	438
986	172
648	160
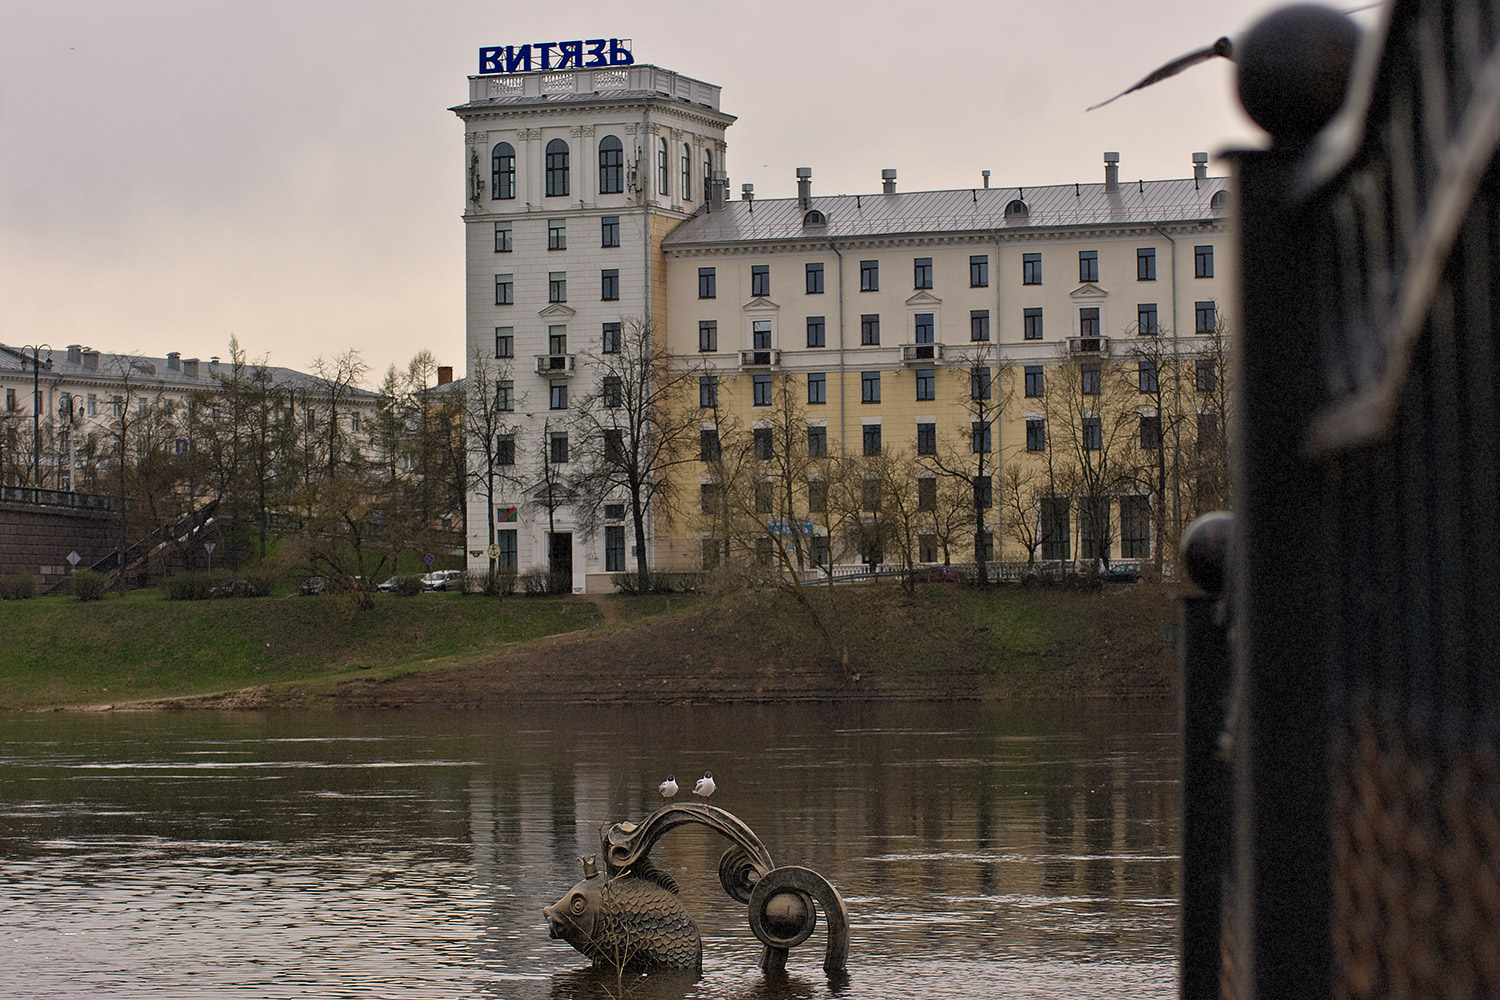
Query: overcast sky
174	172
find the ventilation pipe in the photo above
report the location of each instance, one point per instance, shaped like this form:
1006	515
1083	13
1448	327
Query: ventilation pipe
888	181
986	175
716	192
804	187
1200	168
1111	171
747	192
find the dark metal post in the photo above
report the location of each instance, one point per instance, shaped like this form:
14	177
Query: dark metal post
36	408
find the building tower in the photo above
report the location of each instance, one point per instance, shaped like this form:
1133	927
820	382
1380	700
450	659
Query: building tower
577	163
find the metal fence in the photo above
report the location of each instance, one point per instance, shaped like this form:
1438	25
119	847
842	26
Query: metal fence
58	498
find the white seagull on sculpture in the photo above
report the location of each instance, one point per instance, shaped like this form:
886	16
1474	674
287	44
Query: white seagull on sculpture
667	788
705	786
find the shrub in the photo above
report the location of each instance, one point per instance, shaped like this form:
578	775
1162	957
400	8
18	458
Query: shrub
17	587
501	583
407	586
660	583
536	582
86	585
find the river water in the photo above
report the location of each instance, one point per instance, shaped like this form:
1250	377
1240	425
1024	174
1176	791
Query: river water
981	851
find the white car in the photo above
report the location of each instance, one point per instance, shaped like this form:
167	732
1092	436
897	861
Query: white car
443	579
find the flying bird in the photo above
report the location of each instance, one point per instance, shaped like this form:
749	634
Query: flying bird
667	788
705	786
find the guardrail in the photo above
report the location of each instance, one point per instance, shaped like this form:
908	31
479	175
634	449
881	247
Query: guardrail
58	498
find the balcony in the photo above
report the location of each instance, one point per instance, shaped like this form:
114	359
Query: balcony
556	364
915	354
762	357
1088	345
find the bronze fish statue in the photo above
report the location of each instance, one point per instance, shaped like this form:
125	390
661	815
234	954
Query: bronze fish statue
631	921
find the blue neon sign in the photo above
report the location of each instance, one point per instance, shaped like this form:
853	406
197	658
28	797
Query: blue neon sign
582	54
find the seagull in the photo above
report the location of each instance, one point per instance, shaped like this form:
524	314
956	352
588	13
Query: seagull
667	788
705	786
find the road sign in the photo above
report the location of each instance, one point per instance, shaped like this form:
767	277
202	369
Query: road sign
74	559
427	559
180	446
210	546
790	527
494	551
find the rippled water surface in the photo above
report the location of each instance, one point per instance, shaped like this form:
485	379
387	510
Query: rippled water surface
981	852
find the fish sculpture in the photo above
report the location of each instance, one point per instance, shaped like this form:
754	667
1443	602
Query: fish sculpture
631	921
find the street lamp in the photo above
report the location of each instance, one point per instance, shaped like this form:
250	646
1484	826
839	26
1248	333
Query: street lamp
36	406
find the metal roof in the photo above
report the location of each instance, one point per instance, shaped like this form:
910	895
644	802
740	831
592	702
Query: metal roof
961	210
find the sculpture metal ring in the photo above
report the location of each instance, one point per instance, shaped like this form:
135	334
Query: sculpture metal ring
738	873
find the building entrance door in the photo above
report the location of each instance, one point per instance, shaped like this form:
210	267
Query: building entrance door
560	560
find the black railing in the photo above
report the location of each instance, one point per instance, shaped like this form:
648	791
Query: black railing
58	498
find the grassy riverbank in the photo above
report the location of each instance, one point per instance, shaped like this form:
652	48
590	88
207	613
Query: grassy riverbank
444	650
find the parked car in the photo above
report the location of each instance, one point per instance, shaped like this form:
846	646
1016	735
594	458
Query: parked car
313	585
390	586
443	579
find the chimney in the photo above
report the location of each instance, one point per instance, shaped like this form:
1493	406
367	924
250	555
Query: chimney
445	374
747	192
1111	172
91	359
75	353
190	367
1200	166
213	363
174	361
888	180
717	191
986	175
804	187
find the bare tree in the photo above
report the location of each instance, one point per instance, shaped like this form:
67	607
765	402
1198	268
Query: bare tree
490	426
969	454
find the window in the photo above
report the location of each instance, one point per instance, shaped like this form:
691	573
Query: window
708	445
609	231
708	335
707	282
1057	529
871	440
979	324
817	497
612	391
869	275
557	340
687	172
979	383
1145	264
981	437
765	499
93	404
505	449
817	388
760	279
869	387
921	276
1205	375
1150	432
1135	527
557	394
1208	431
708	173
663	168
10	399
1088	265
708	391
1145	319
1090	377
557	286
505	289
761	388
926	383
1093	528
1036	434
927	549
557	451
557	234
815	279
505	342
1031	269
1088	322
709	495
1035	386
922	329
817	446
611	338
927	439
614	545
984	492
979	271
869	501
502	237
1146	380
611	165
505	396
503	171
614	512
614	446
609	284
869	329
1093	434
815	331
760	335
986	545
927	493
506	539
557	169
1205	317
764	448
1203	262
1031	323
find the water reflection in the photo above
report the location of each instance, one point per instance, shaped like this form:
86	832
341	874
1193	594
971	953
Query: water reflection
980	851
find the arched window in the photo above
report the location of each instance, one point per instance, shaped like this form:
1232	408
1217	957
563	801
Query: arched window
503	171
611	166
663	171
708	173
1017	210
687	172
815	218
557	168
1219	201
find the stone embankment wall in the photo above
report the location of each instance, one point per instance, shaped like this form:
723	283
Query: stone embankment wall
37	539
